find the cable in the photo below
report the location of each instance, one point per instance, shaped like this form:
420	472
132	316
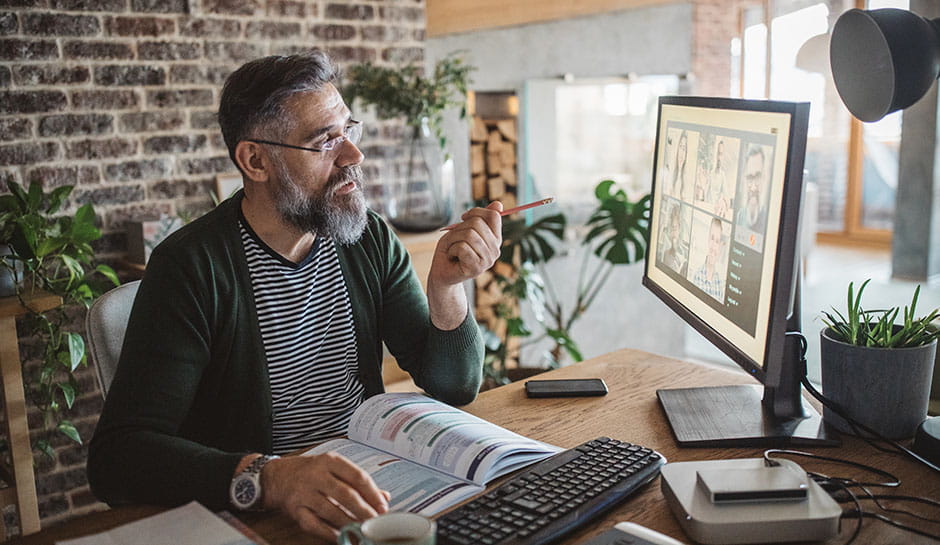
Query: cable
893	481
841	411
892	522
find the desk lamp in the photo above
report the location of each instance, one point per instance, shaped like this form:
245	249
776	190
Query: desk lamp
883	60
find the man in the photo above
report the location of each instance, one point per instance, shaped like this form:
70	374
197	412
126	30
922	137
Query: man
707	277
258	328
754	214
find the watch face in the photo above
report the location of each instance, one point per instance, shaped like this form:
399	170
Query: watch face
245	492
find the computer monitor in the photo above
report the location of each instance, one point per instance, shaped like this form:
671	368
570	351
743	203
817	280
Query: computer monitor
723	254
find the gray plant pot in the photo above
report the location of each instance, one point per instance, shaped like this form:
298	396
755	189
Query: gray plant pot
887	389
7	279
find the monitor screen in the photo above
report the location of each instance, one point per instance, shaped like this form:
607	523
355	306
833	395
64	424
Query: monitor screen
727	185
720	177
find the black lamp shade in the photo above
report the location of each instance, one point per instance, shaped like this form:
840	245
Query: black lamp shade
883	60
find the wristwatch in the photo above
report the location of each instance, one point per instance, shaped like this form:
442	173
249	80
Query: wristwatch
245	490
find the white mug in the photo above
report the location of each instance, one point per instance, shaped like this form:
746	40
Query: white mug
394	528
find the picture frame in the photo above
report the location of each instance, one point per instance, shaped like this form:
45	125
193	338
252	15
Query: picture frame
226	185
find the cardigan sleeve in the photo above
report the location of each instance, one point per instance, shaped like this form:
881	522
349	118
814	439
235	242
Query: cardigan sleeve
139	452
446	364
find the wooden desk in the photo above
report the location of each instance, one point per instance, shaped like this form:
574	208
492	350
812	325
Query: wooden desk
631	412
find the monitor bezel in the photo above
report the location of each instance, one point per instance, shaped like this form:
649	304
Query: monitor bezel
782	317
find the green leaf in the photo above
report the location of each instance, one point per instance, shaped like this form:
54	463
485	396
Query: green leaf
34	197
68	391
57	197
109	273
67	429
20	195
76	350
43	446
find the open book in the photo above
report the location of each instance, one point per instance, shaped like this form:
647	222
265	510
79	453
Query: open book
429	455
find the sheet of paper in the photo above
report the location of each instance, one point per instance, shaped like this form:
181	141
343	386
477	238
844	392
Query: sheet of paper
190	523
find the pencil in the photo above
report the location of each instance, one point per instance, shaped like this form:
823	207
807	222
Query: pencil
512	210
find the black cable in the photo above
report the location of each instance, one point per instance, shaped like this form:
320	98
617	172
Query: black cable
892	522
839	410
893	481
877	497
858	512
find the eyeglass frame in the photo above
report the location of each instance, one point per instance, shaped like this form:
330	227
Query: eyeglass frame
353	124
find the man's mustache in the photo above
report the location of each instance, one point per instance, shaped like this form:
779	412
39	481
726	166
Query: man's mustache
344	176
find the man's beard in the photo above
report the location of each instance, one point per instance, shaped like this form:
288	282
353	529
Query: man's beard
342	218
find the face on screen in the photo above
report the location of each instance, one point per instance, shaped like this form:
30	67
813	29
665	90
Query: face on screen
754	180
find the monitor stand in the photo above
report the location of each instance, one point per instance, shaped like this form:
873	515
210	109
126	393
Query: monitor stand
734	416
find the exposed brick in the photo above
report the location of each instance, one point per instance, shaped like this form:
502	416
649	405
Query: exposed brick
169	51
129	75
28	50
151	121
352	54
231	7
138	170
353	12
28	153
210	28
8	23
397	13
403	55
200	74
43	74
29	102
33	4
234	51
118	218
333	32
15	128
175	189
72	454
105	100
58	176
289	8
272	30
55	483
56	504
84	498
98	149
90	5
204	119
5	76
112	194
180	97
55	24
160	6
174	144
218	142
139	26
72	124
7	176
97	50
418	35
205	166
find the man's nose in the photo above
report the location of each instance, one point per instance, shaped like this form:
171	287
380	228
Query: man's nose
349	155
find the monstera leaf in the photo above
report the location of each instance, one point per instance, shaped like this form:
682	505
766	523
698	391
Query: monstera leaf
534	242
619	228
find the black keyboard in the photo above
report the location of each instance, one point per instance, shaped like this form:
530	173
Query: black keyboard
554	497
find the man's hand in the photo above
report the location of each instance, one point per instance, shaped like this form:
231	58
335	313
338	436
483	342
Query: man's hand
322	493
463	253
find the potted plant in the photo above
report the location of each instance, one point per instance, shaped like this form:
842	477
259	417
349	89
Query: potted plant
418	173
52	252
617	234
878	367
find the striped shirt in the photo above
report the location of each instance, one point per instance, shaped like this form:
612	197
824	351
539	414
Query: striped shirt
309	340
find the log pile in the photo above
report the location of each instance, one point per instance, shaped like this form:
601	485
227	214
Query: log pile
493	167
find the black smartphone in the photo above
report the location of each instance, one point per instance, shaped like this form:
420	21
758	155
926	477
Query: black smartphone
576	387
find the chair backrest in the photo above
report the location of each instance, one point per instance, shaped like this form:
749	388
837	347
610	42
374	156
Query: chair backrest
105	325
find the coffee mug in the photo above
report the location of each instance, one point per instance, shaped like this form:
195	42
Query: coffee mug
391	529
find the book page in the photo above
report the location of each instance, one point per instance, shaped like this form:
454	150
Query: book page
435	434
414	488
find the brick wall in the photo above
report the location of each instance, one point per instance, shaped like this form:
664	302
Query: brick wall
118	97
714	23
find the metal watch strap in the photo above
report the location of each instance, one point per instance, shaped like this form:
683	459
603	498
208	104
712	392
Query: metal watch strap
254	470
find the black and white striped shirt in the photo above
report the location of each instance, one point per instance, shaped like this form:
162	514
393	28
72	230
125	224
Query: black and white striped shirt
309	339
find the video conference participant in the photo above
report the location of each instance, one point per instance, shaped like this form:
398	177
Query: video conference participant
258	328
753	214
707	276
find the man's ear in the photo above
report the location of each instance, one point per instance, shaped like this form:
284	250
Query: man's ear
253	161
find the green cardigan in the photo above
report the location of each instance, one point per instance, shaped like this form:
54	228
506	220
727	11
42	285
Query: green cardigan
191	394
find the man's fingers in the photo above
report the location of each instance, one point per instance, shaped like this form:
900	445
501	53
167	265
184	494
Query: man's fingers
360	487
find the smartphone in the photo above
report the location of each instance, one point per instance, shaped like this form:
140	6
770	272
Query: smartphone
577	387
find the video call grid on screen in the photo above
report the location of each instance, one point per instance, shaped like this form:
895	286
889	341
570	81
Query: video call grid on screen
716	212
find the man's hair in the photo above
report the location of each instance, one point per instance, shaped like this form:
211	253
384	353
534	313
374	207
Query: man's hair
254	95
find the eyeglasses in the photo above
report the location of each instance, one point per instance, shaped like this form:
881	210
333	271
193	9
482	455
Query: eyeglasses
352	133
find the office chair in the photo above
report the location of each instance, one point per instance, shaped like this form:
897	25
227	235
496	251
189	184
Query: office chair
105	323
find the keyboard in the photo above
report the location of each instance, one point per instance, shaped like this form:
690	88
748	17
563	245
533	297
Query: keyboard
554	497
